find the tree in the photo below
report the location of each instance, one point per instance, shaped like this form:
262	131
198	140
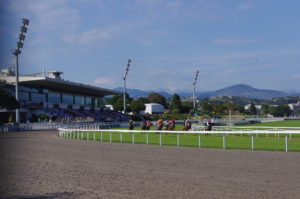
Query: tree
117	101
280	111
219	108
157	98
144	100
176	103
115	98
253	110
240	108
118	105
8	101
186	107
206	107
176	111
137	106
297	112
265	109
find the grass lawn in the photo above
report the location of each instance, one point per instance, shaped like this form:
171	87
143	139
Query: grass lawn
261	142
285	123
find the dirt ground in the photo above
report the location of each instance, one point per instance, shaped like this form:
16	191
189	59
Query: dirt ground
41	165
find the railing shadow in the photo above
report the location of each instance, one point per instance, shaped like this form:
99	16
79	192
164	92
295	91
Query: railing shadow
65	195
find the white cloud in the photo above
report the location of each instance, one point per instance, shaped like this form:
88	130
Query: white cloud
94	36
245	6
105	82
232	41
180	10
45	15
296	76
218	71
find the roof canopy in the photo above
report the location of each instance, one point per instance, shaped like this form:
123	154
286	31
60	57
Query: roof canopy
64	86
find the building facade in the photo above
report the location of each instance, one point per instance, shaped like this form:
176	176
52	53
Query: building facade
43	92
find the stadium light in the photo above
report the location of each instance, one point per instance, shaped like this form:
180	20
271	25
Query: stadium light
17	52
194	85
124	78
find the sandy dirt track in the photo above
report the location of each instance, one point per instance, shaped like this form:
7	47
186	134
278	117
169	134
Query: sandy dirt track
40	165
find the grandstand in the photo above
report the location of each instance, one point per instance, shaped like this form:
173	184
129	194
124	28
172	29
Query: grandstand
48	94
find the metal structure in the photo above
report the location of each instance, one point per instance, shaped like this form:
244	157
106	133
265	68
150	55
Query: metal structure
194	93
16	52
124	79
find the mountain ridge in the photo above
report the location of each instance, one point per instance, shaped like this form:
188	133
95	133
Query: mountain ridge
239	90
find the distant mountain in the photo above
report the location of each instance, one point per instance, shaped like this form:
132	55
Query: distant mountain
294	94
136	93
243	90
240	90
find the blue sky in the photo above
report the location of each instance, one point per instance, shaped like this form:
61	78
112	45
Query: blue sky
256	42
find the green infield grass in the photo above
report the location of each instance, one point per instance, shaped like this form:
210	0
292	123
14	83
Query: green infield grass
261	142
285	123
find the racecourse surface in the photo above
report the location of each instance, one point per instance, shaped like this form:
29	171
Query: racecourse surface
41	165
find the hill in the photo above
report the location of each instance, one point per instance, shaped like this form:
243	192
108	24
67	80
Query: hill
239	90
243	90
136	93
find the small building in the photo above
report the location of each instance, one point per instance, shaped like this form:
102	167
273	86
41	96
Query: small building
154	108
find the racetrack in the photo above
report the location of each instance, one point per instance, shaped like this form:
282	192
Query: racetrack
41	165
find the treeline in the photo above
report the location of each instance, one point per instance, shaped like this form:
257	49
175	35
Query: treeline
136	105
208	106
245	101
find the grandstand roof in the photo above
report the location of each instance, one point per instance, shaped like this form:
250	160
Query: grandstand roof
62	86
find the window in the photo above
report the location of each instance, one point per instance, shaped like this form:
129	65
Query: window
67	98
54	97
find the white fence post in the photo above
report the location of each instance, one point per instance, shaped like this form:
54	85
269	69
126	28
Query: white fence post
224	141
160	143
147	138
252	142
178	140
132	134
286	143
199	140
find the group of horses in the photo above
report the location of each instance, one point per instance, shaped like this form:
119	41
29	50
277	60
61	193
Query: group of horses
169	125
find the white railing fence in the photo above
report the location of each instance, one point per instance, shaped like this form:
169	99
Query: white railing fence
55	126
78	133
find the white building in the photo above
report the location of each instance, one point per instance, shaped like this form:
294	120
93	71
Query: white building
154	108
247	107
294	106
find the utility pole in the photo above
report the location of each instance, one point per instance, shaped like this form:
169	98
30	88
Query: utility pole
194	89
16	53
124	79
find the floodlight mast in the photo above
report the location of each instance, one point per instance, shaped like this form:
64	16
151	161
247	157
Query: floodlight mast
124	79
16	52
194	85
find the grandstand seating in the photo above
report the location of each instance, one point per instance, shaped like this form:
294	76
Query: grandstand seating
91	115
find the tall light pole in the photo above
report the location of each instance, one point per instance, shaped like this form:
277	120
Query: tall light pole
194	84
16	52
124	78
